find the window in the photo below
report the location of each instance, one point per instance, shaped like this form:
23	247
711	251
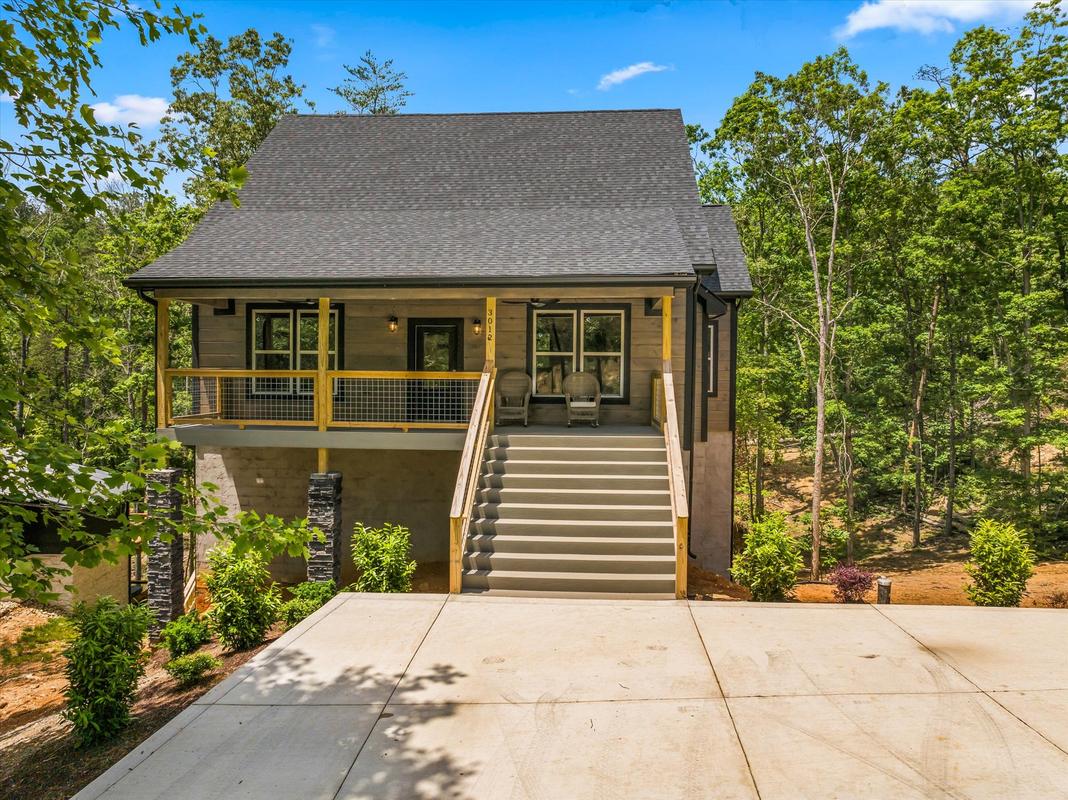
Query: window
286	339
590	340
711	378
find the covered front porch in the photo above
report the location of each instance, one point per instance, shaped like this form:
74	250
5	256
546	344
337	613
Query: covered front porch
325	381
363	364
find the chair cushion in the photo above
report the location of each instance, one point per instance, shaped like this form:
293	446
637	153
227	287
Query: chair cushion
583	404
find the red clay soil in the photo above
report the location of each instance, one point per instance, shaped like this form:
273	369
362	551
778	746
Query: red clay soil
39	758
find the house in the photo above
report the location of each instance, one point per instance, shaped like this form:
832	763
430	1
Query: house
356	317
44	517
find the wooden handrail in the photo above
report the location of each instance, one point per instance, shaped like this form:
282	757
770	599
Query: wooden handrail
680	507
467	476
311	373
240	373
402	375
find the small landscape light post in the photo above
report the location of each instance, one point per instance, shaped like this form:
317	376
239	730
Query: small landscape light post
884	590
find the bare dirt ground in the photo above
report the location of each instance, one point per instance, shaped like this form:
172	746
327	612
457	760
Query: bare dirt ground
39	758
932	574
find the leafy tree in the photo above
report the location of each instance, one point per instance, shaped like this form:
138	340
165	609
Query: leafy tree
945	370
373	86
56	166
227	98
800	142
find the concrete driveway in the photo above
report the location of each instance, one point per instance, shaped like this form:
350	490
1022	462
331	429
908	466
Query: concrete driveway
427	696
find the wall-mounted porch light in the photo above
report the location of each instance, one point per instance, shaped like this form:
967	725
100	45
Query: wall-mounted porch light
392	324
476	328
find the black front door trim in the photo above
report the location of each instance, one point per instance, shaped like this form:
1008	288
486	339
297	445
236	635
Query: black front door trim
456	357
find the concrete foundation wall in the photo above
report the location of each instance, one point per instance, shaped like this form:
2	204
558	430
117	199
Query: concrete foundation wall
408	487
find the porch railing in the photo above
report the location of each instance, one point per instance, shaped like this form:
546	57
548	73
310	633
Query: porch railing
680	507
468	475
357	399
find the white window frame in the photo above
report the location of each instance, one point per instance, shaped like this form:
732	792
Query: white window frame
578	341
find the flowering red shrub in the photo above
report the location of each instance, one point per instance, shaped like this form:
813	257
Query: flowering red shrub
851	583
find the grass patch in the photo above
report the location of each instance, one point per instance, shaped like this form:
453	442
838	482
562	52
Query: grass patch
40	643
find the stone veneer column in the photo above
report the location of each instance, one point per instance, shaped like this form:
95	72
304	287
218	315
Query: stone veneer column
166	564
324	513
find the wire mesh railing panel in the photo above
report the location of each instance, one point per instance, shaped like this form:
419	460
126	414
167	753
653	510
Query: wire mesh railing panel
372	400
267	398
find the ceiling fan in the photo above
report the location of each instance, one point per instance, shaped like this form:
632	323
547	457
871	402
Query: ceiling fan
537	302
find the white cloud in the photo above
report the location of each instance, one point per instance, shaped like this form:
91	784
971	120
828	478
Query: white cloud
324	36
927	16
131	108
618	76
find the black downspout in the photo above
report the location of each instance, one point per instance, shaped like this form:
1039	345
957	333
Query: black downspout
688	403
734	375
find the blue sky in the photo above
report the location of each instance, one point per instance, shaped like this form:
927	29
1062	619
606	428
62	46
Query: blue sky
696	55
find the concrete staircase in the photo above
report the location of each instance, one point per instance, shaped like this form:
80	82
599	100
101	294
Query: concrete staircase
572	514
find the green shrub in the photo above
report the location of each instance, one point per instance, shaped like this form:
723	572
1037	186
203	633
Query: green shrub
185	634
382	557
1002	561
190	668
308	597
834	544
244	601
770	561
104	662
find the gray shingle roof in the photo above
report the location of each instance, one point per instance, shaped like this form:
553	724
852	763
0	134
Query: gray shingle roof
731	275
472	197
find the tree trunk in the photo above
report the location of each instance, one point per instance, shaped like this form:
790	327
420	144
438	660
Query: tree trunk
24	363
951	477
821	434
917	416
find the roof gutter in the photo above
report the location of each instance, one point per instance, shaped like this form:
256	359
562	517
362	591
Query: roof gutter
679	280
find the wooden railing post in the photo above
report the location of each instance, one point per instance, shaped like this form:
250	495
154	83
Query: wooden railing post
323	395
162	360
491	329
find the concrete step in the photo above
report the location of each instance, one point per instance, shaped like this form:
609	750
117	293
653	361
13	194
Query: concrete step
594	582
587	467
571	562
576	511
569	496
571	595
569	453
523	480
572	527
575	440
663	545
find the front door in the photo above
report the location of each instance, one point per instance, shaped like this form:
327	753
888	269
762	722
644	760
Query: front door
435	345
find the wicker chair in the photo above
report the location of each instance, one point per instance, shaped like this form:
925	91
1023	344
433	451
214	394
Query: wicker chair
513	396
582	395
